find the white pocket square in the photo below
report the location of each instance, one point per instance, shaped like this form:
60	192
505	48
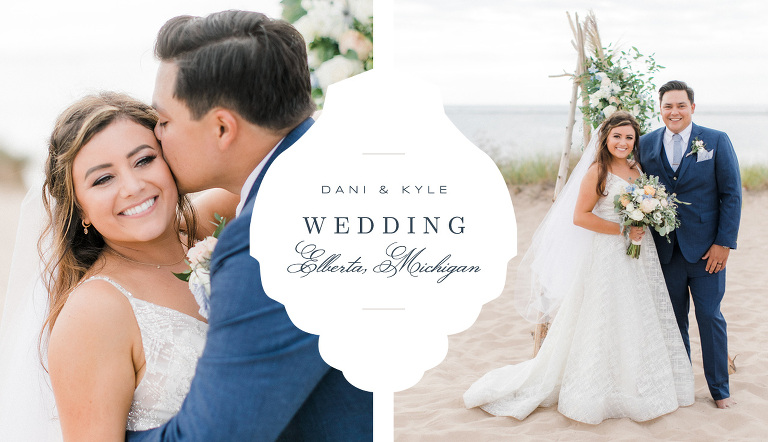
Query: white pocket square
704	155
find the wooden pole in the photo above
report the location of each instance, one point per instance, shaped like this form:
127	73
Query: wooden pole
540	332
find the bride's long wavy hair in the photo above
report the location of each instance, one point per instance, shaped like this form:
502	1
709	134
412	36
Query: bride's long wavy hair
603	156
71	252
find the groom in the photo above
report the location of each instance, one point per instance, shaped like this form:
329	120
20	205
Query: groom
233	93
700	166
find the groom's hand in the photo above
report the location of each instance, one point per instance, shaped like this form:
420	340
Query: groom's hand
716	257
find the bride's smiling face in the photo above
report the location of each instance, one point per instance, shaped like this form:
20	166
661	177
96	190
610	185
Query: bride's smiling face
123	186
621	141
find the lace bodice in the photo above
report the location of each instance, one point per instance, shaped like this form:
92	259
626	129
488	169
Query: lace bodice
614	185
173	342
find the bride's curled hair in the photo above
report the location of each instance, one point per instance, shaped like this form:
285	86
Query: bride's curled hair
71	252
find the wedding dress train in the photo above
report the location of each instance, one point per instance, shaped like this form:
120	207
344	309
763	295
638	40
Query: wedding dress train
613	350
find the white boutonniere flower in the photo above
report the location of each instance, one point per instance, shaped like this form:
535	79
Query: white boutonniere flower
698	147
199	274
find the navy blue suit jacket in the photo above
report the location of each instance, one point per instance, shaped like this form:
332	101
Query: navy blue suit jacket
260	377
713	187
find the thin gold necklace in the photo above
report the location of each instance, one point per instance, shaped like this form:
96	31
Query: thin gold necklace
120	255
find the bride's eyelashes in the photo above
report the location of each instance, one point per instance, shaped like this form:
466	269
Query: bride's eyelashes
141	162
145	160
101	180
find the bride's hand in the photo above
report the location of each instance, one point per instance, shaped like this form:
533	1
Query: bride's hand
636	233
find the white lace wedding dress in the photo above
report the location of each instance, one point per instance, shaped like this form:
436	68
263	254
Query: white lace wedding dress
173	342
613	349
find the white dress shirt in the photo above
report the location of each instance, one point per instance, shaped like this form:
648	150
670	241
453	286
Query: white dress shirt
669	145
251	180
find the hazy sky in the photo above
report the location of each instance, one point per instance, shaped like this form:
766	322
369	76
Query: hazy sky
502	51
478	52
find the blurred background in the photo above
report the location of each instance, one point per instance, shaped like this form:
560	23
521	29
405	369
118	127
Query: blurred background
491	58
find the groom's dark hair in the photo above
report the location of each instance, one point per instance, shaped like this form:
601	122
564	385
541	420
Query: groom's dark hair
240	60
676	85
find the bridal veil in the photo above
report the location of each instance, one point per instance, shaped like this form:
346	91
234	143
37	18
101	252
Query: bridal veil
27	407
558	250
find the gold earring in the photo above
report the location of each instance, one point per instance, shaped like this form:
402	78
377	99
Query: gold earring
85	226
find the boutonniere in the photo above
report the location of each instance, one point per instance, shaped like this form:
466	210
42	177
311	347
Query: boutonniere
697	146
199	261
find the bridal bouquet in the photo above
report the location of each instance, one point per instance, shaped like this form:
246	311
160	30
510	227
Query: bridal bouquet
646	203
199	260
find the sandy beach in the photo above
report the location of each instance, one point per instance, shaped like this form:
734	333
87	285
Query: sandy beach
433	410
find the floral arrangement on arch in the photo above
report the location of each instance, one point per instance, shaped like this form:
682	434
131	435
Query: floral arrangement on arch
339	37
619	81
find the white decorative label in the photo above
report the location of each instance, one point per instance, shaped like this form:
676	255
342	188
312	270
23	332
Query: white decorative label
383	230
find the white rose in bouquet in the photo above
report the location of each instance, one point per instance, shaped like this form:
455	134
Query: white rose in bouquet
636	215
649	205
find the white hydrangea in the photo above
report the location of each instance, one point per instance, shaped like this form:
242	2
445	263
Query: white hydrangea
323	19
362	10
336	69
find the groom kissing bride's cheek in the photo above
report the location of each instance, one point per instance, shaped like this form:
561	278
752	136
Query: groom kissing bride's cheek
221	124
232	93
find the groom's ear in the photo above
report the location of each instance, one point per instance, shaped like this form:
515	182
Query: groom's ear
226	128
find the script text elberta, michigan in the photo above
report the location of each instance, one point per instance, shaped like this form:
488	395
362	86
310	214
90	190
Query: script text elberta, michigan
397	259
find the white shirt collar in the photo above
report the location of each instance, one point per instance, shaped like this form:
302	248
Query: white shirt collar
685	134
251	180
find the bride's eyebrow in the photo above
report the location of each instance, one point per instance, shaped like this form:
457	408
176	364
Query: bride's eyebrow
137	149
95	168
133	152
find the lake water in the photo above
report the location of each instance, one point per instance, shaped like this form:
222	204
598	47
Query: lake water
513	132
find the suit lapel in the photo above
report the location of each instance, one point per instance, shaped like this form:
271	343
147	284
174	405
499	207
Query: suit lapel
688	159
287	142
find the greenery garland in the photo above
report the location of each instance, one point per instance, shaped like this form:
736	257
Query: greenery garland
619	81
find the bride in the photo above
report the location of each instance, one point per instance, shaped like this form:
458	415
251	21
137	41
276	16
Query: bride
614	349
124	333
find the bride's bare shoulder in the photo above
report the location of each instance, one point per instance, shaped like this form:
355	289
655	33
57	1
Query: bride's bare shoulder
95	314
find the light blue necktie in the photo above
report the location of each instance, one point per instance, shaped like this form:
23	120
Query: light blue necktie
677	151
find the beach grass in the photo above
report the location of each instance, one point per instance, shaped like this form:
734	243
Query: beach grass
542	170
754	177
